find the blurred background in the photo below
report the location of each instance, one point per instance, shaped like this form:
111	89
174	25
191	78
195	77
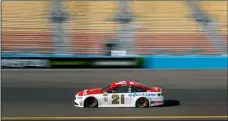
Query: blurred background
97	27
191	36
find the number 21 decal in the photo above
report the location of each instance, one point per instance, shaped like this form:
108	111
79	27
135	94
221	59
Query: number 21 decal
115	99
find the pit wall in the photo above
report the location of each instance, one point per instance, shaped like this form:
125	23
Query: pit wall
186	62
164	62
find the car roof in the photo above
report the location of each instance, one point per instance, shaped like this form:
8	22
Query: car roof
127	82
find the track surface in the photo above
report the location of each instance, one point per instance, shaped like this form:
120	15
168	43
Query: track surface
50	92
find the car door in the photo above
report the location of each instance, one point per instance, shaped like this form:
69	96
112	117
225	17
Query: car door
118	97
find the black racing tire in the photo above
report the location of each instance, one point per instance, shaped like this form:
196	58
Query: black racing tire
142	102
90	102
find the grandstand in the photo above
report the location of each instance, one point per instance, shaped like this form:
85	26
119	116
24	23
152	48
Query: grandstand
164	25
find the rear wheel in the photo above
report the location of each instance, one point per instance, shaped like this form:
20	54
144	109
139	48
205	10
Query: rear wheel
142	103
90	102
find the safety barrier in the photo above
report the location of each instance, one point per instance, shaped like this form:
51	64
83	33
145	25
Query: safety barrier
97	61
70	61
186	62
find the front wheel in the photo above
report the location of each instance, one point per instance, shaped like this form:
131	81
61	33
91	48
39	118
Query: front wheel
142	103
90	102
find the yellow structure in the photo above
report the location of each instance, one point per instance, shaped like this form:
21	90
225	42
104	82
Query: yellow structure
158	20
25	16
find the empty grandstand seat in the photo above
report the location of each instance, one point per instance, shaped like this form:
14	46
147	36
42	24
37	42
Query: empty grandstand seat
164	25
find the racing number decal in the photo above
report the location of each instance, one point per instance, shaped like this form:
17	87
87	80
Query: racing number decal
115	99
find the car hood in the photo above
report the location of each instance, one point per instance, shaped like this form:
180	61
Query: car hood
89	92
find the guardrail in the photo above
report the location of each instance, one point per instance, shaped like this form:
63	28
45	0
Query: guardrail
165	62
186	62
70	61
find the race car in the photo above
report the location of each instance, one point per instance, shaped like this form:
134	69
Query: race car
120	94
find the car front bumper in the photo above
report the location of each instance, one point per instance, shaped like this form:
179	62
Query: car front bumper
157	101
78	102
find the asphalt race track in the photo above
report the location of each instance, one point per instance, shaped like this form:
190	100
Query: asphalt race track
49	93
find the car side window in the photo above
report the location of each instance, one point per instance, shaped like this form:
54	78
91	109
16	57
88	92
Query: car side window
137	89
121	89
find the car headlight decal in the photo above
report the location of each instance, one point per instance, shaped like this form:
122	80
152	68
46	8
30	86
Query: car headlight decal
79	97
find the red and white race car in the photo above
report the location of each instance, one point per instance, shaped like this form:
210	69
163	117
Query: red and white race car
120	94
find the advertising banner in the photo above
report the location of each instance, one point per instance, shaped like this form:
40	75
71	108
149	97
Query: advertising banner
23	63
72	63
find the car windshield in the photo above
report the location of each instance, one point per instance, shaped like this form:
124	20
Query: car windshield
106	87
